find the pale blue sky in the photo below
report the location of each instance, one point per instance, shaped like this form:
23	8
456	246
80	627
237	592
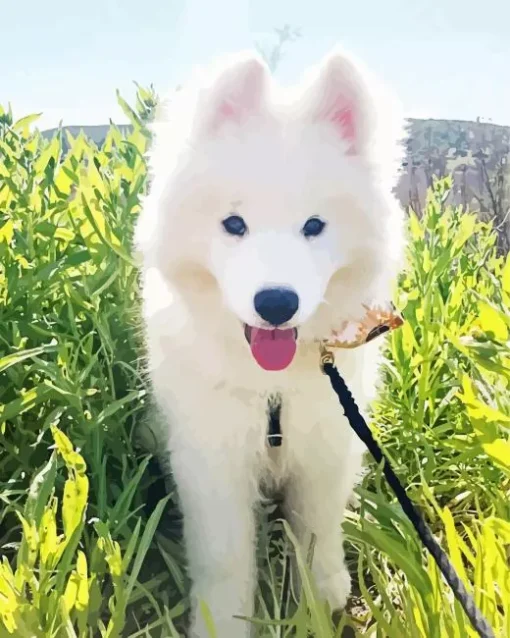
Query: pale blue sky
444	58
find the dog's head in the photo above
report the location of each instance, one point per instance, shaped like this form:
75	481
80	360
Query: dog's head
280	201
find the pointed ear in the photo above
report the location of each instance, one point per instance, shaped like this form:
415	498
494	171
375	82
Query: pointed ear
339	96
237	93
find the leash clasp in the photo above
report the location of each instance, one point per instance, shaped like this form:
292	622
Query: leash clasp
326	356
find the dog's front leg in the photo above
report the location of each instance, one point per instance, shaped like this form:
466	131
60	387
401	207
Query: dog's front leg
327	462
214	475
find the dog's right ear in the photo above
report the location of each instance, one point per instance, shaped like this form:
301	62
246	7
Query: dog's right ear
237	94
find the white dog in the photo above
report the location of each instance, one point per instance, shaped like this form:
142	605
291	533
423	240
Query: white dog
270	222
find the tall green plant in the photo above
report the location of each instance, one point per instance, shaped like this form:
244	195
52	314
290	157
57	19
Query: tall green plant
69	362
455	297
443	417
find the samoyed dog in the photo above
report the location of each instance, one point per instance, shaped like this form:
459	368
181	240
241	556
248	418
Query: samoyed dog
269	223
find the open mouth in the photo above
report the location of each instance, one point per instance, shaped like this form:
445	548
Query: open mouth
272	349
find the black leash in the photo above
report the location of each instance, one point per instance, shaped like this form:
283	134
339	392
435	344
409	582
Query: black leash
358	424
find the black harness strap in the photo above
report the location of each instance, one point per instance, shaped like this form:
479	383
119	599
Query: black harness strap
358	424
274	430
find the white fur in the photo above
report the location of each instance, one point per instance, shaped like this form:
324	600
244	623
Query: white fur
277	162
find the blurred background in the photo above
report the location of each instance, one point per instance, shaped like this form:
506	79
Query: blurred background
444	59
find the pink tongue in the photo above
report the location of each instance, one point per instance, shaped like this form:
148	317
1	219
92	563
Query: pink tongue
273	349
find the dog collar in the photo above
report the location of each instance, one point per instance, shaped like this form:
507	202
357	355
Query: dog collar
378	320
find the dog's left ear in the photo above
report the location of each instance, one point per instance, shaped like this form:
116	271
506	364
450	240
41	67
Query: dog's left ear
339	97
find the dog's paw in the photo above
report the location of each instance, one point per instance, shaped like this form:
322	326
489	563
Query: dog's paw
336	589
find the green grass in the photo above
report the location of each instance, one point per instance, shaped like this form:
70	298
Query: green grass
89	544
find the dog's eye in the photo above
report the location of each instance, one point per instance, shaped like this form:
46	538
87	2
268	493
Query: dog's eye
235	225
313	227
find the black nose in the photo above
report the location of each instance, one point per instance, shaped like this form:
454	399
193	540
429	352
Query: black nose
276	305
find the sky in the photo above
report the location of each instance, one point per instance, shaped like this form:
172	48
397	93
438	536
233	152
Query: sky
66	58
